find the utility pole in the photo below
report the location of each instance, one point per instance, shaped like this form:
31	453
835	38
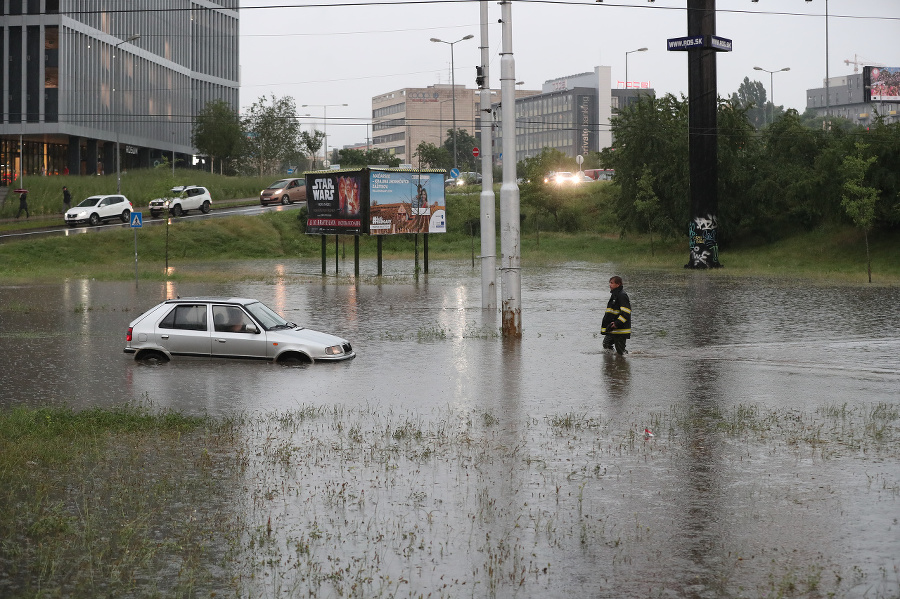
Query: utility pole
488	230
510	234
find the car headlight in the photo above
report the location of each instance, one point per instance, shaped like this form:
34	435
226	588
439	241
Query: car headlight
334	350
82	214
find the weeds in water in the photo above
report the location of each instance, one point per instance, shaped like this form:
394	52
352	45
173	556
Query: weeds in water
431	333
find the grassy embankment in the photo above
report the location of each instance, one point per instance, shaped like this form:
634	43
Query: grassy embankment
582	228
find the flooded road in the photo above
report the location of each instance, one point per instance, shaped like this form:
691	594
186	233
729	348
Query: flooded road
474	466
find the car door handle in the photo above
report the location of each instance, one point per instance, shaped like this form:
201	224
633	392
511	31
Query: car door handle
220	340
164	336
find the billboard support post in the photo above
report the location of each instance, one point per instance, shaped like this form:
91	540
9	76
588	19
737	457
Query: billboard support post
324	253
337	255
425	246
356	256
379	246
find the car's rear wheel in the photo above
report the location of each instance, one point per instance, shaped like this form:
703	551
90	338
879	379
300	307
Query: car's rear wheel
205	207
94	219
126	216
285	200
177	210
151	356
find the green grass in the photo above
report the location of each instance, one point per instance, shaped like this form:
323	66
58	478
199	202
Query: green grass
99	502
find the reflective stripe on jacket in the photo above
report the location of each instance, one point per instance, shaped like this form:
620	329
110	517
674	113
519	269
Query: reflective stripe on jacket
618	311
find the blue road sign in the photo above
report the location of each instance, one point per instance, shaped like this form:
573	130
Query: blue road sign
722	44
137	220
454	172
685	43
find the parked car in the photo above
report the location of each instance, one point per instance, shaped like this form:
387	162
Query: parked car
184	198
97	209
228	328
286	191
562	178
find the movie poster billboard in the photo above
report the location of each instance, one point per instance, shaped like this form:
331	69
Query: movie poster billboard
406	202
882	83
336	203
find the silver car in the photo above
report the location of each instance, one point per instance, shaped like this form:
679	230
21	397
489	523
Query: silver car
228	328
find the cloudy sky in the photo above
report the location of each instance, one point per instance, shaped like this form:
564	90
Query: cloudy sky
333	52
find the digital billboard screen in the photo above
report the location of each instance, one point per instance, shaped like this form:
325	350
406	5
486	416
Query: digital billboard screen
882	83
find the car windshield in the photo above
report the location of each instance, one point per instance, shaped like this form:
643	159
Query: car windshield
268	318
278	184
92	201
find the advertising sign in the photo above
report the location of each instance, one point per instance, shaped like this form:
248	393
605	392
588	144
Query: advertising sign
336	203
406	202
882	83
685	43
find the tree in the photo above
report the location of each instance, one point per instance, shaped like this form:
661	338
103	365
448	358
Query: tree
273	133
751	96
312	142
647	203
859	199
465	143
431	156
217	133
349	157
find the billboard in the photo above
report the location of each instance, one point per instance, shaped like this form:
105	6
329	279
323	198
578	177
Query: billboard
407	202
376	201
882	84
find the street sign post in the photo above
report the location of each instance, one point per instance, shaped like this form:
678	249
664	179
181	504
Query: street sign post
137	221
476	152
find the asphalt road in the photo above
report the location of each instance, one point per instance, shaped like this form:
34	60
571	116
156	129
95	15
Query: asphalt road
55	226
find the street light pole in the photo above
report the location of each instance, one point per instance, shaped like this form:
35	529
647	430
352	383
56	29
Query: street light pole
772	85
453	86
115	106
324	108
626	69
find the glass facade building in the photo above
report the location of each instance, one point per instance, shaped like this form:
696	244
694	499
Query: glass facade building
83	75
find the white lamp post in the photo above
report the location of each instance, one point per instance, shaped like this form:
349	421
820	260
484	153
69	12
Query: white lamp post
324	108
772	84
117	114
626	68
453	86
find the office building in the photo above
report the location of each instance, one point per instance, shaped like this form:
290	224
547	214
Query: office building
82	75
847	98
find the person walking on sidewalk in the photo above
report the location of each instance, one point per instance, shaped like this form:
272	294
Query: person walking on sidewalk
23	204
67	199
616	325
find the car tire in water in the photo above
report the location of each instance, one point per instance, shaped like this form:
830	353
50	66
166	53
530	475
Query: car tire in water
293	359
285	200
95	219
126	216
205	207
151	356
154	214
177	210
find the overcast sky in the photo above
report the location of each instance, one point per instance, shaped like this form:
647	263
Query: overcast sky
346	52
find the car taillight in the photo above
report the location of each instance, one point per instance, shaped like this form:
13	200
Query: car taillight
128	335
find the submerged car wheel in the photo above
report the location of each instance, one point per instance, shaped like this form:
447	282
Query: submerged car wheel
151	356
95	219
177	210
293	359
126	215
205	207
154	214
285	199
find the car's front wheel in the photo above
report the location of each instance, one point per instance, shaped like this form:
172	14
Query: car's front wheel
178	210
154	213
285	200
293	359
94	219
126	216
205	207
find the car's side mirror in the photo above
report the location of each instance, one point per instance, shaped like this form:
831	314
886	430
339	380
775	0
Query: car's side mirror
251	329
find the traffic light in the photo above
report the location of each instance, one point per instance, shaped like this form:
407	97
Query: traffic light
479	77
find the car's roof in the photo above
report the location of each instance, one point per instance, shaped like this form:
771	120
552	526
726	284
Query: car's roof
212	300
106	195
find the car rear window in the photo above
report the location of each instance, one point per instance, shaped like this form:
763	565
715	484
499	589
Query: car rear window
187	317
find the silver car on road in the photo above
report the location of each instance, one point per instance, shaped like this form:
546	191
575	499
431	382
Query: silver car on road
228	328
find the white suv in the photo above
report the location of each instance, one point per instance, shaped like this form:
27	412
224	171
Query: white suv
185	197
97	209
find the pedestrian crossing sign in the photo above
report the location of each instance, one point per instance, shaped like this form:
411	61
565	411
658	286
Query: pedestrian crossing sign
137	220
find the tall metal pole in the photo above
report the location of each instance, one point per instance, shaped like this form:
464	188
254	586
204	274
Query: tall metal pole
324	108
453	86
116	116
488	200
510	238
626	69
772	86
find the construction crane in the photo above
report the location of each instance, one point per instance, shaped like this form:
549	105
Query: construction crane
856	62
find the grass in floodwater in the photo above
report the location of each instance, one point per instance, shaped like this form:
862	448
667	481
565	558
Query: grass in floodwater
118	502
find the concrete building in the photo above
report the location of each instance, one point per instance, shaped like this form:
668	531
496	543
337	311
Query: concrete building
404	118
74	82
848	99
571	114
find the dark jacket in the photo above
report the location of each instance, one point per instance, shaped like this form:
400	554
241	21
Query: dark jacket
67	197
618	313
23	200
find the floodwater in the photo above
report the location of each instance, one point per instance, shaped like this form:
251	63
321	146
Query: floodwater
774	468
